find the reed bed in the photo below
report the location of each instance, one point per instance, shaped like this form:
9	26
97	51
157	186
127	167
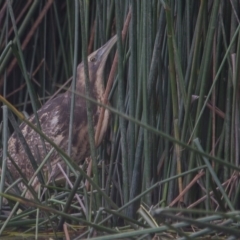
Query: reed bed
168	167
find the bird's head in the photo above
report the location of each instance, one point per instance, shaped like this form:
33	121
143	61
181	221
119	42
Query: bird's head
96	65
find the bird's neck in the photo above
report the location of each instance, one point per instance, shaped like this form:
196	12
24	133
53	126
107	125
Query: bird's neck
96	87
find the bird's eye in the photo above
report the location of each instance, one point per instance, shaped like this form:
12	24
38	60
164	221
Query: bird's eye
92	59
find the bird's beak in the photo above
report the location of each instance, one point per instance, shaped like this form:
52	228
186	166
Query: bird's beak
102	53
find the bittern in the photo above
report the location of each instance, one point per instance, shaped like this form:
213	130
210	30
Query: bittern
54	120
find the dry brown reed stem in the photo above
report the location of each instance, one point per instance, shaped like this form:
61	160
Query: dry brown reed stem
24	84
67	236
91	40
180	196
30	35
233	178
24	10
111	78
2	11
107	91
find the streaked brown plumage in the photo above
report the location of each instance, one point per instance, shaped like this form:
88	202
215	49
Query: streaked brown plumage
54	119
